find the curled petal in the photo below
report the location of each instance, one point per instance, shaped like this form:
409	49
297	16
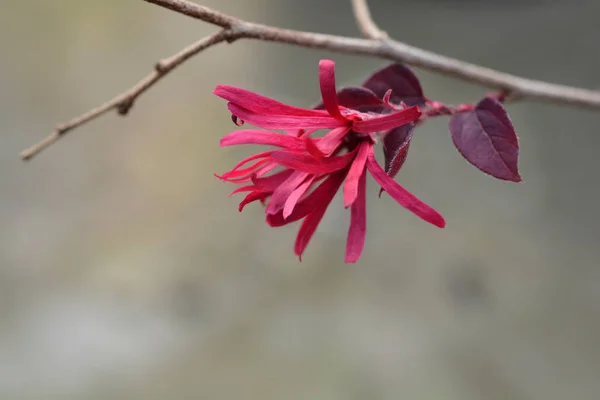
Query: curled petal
267	168
284	122
292	200
388	121
272	182
356	171
403	196
312	220
312	148
386	97
334	139
263	137
358	222
251	197
241	189
311	164
253	174
328	91
260	104
246	160
284	189
307	229
234	174
323	194
300	132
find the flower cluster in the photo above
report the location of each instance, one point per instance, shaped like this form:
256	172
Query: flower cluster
299	178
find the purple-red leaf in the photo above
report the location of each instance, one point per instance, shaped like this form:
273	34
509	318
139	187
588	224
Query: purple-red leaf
395	148
356	97
486	137
404	84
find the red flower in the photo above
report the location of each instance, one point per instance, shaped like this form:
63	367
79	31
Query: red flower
313	169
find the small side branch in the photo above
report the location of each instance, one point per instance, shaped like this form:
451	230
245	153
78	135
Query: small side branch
123	102
377	44
365	22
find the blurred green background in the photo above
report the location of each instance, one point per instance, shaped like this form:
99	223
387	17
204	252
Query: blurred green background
126	272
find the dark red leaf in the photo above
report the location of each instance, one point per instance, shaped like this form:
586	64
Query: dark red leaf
395	147
356	97
403	82
486	137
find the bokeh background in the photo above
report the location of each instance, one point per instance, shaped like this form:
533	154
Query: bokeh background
126	272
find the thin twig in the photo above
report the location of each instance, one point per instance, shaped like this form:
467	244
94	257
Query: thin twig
365	22
377	45
123	102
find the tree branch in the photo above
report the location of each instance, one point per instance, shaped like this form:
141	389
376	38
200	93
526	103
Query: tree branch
377	44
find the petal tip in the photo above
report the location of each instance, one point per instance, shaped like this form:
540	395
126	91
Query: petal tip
325	62
440	222
219	89
351	259
349	199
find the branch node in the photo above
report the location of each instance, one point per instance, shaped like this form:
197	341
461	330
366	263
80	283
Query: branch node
381	35
124	107
161	67
511	95
61	128
234	32
506	95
